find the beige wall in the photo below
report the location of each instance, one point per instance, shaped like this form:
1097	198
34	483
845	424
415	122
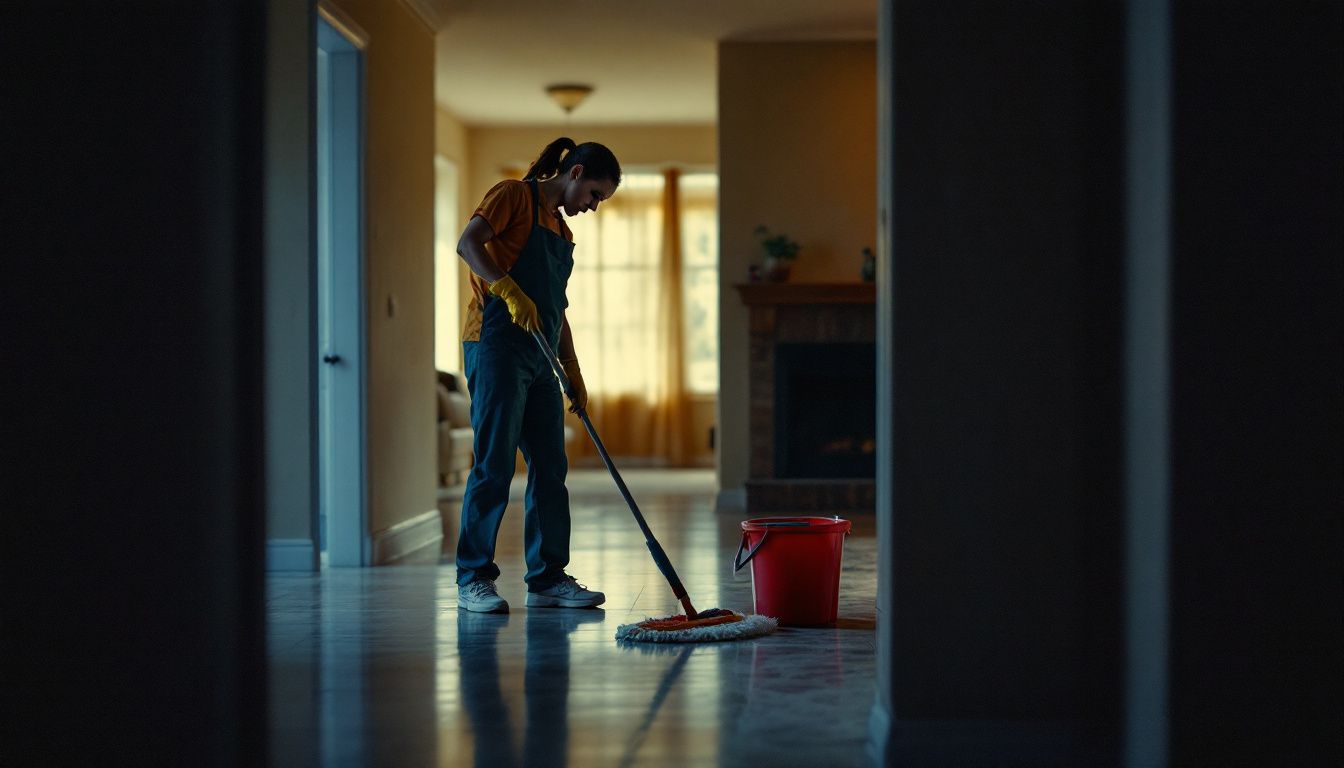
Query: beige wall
451	141
798	153
288	314
450	135
703	414
399	205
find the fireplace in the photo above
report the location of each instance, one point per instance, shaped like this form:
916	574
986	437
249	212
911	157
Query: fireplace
812	397
825	404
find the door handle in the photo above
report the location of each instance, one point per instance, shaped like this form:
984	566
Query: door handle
331	359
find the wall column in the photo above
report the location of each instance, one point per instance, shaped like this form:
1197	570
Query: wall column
1111	400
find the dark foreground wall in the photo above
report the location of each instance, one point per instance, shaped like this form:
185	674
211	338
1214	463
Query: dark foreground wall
1257	403
132	625
1111	446
1008	230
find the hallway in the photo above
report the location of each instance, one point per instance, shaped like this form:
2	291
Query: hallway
378	666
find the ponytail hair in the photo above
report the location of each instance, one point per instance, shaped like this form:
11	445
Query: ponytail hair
598	162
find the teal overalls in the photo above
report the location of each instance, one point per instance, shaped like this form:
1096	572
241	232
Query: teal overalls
516	404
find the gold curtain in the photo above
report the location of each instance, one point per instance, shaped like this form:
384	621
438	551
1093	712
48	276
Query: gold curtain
626	312
671	412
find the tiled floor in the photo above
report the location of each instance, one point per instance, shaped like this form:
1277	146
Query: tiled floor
378	667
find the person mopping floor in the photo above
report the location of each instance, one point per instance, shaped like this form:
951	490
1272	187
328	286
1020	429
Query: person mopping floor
521	254
692	626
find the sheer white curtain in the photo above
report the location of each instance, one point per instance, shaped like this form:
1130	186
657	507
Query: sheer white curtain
613	292
627	311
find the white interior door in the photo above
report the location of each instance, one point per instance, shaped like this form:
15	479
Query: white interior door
342	517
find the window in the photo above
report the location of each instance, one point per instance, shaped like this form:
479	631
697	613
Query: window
700	280
616	294
614	291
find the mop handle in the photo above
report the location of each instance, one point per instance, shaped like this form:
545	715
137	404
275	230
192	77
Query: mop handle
659	556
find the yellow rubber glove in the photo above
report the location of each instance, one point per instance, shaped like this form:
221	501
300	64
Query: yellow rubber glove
579	401
521	308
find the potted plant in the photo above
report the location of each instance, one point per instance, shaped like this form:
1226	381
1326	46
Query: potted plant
780	251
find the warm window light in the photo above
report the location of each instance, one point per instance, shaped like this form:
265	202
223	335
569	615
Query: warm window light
568	95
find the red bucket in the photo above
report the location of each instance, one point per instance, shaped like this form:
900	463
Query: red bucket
795	567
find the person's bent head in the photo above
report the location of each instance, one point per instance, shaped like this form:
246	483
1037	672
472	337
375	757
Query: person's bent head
578	176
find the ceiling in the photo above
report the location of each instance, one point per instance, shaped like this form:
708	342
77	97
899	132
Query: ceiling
649	61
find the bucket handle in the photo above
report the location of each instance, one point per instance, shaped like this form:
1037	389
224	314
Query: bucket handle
738	562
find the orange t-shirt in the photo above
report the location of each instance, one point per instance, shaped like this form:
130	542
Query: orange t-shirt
507	208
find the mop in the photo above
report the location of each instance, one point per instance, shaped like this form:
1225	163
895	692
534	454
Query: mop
692	626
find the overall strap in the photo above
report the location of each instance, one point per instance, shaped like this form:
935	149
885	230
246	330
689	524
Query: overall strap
536	203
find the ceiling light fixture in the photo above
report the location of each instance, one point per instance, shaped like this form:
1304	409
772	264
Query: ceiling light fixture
568	95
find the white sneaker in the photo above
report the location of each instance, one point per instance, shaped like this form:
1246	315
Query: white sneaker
566	593
480	596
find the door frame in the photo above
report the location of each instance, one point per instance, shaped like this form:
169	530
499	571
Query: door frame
348	539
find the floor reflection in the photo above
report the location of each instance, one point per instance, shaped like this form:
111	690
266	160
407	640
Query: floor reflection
683	655
378	666
545	686
546	683
482	694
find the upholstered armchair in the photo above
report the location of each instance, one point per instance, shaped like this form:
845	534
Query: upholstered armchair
455	433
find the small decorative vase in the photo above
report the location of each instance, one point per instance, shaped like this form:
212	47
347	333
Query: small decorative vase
776	270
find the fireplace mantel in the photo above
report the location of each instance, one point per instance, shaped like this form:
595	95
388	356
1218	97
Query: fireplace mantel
787	314
768	294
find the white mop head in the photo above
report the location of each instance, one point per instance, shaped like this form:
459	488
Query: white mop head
750	626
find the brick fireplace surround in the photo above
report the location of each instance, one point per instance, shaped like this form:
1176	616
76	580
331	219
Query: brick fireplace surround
799	313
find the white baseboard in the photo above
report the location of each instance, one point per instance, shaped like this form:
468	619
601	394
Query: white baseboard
408	538
731	500
291	555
